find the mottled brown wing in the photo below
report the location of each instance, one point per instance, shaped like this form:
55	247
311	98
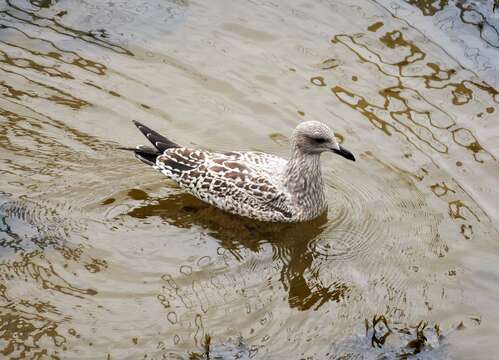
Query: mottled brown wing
223	180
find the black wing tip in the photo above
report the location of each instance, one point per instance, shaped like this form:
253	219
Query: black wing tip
159	141
137	123
143	153
145	158
145	130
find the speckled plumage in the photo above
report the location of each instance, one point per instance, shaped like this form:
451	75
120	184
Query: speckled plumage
252	184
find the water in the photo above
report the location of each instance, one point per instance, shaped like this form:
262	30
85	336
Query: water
102	258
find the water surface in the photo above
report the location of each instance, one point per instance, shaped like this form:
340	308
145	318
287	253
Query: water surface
102	258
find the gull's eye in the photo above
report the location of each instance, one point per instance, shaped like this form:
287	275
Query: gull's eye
320	140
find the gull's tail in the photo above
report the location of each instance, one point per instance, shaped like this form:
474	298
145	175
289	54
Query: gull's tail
147	154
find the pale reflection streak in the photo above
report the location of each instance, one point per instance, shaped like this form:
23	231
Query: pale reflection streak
53	24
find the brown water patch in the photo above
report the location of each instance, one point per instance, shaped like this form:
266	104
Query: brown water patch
376	26
429	7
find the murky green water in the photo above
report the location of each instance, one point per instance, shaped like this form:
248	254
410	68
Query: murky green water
102	258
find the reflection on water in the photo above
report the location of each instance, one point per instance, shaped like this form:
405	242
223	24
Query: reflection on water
291	244
103	258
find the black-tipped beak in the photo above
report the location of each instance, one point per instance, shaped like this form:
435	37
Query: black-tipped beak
345	153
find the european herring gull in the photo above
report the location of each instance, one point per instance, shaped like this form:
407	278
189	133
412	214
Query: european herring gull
248	183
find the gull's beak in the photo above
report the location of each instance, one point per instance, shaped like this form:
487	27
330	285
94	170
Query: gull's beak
344	152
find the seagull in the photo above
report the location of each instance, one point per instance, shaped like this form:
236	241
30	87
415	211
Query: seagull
251	184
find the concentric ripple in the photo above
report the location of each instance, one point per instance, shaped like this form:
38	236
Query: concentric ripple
365	210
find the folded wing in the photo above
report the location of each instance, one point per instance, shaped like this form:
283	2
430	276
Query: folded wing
228	181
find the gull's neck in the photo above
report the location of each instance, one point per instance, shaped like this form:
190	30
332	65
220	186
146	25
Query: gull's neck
303	180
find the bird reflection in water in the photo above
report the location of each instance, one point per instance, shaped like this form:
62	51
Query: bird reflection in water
291	243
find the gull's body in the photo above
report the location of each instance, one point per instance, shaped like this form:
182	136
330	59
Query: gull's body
252	184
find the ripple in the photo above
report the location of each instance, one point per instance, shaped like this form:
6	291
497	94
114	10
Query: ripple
365	211
26	225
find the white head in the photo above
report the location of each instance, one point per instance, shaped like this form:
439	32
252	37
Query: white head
314	137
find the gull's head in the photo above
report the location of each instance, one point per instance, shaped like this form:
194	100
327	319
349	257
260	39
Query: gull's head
314	137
